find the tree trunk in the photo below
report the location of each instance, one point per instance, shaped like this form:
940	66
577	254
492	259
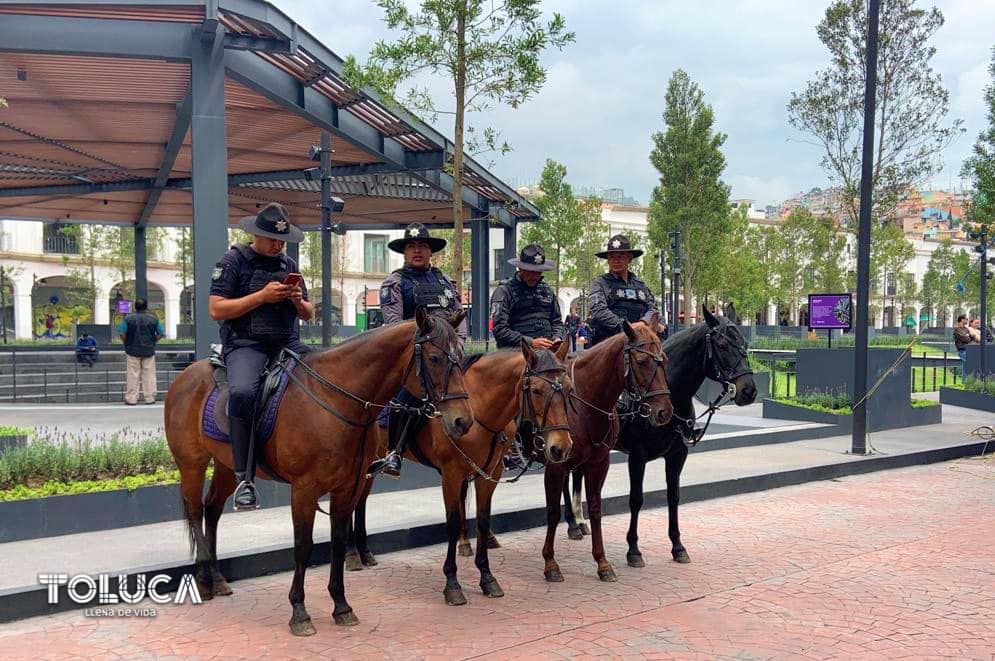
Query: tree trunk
460	91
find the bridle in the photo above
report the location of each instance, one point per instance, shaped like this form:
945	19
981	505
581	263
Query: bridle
431	400
528	409
636	392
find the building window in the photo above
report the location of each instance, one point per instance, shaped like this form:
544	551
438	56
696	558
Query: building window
498	264
375	253
57	241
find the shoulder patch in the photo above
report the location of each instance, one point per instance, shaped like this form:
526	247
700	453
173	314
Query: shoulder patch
219	269
385	294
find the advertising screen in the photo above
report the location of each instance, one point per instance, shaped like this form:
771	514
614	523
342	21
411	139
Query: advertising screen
829	311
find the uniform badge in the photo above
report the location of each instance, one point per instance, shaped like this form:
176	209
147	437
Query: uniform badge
616	244
281	226
443	301
642	295
385	296
216	273
448	294
630	294
495	308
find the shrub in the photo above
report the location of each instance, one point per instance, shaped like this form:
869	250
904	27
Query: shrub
8	430
975	384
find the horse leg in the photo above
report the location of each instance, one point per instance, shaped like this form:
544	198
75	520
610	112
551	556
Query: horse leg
488	584
452	495
578	506
342	614
222	485
554	478
357	551
594	474
302	506
637	471
674	465
569	513
192	489
463	544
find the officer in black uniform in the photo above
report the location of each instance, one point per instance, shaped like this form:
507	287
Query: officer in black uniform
417	283
525	306
259	315
618	295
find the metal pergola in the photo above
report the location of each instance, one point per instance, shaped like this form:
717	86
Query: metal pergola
171	113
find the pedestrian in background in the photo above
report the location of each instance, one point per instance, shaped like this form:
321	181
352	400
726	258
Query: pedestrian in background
140	331
962	338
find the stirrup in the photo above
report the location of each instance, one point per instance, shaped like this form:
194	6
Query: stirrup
245	488
389	466
513	458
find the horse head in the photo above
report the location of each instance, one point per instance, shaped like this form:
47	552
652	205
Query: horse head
726	356
438	378
645	371
546	390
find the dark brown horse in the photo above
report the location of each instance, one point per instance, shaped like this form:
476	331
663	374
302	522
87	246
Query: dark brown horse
501	386
320	443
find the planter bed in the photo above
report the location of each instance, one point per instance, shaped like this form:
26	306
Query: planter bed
908	417
968	399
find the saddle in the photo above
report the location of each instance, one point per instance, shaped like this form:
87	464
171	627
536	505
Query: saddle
216	423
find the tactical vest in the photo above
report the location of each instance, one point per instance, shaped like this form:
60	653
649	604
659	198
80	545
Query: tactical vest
629	301
531	309
270	322
139	338
429	289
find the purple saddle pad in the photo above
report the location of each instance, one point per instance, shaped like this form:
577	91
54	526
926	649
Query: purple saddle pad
215	408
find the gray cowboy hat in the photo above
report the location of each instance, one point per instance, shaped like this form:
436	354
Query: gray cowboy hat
533	258
273	222
417	232
619	243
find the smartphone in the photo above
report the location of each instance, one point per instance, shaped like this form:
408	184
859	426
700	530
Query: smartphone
293	279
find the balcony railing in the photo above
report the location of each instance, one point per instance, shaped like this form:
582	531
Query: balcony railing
61	244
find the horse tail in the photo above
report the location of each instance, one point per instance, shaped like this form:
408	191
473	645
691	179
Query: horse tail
191	534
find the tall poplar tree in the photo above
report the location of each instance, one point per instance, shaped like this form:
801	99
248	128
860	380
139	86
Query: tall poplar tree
979	168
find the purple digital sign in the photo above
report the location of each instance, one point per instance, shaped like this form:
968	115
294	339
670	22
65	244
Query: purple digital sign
830	311
124	307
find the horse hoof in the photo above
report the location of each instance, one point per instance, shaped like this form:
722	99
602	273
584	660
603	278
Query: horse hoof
206	592
302	628
584	528
553	576
353	562
346	619
454	596
575	533
465	550
634	559
369	560
681	556
221	588
607	574
491	589
492	542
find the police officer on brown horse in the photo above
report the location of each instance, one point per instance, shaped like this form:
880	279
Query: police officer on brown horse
618	295
259	312
417	283
524	306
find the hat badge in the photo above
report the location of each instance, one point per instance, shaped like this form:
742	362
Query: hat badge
616	244
413	232
281	226
538	258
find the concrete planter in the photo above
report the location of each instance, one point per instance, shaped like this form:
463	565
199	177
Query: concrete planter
11	442
913	417
967	399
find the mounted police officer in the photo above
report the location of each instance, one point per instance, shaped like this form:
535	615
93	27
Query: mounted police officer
259	312
618	295
417	283
524	306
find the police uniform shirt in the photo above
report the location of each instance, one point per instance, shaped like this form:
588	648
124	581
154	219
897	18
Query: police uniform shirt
398	295
613	300
518	311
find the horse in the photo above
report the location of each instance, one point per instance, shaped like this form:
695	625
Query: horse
502	386
319	441
716	350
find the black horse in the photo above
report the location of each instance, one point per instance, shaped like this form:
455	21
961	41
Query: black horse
716	350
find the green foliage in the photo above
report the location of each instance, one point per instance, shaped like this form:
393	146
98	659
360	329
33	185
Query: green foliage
979	168
938	282
691	195
582	266
912	103
562	223
10	430
57	488
835	402
974	384
922	403
745	279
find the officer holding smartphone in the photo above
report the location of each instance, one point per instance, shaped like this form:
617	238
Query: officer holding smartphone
258	295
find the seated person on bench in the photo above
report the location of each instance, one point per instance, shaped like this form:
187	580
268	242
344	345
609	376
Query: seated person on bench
86	350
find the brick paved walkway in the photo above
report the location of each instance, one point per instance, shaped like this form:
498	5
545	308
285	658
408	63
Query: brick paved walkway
889	565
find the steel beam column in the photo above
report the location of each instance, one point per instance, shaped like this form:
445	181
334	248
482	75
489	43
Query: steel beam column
326	241
510	249
141	264
479	280
210	177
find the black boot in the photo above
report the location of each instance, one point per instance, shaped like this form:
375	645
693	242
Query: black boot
398	429
245	492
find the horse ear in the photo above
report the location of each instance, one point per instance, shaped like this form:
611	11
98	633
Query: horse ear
730	313
529	353
710	318
630	332
561	349
456	319
655	323
423	320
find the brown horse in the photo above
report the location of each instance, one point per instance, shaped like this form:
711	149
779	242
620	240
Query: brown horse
319	443
632	362
502	385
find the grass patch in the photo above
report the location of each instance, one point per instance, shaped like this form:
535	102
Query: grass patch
836	403
973	384
8	430
934	378
923	403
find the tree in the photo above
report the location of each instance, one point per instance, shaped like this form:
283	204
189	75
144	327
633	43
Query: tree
890	252
487	50
826	244
979	168
562	222
911	109
939	280
793	255
691	196
744	278
581	264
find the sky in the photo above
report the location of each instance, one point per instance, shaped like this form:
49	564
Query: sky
604	96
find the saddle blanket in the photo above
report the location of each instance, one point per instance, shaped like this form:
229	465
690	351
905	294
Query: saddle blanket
266	420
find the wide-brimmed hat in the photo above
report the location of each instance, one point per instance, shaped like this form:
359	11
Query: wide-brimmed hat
533	258
619	243
273	222
417	232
